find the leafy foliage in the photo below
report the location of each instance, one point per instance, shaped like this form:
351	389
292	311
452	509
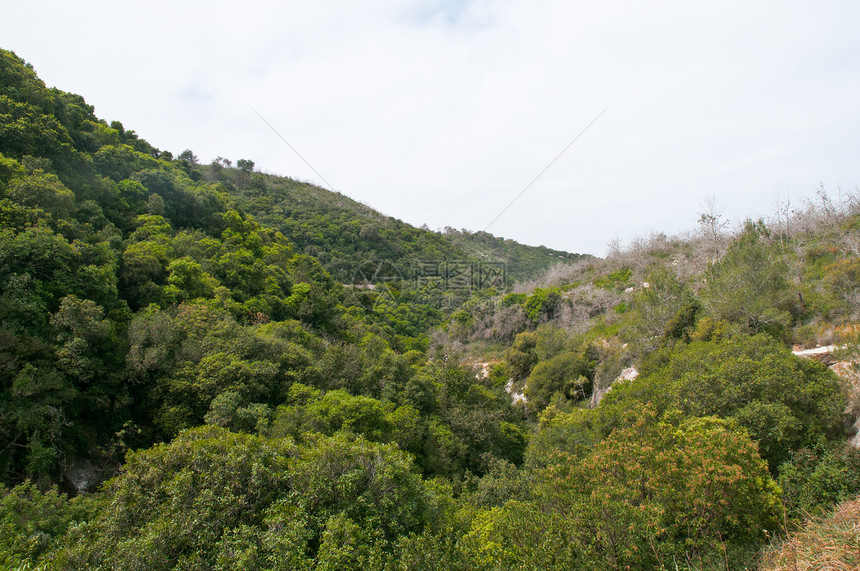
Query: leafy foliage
287	412
650	493
216	499
814	480
785	403
749	284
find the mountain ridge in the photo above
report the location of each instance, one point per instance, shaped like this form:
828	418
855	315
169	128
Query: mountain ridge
343	232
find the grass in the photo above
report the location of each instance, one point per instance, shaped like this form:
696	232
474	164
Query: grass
831	542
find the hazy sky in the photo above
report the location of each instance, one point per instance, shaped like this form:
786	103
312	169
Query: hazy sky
441	112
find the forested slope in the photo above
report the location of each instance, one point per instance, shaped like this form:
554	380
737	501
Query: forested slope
138	295
184	386
342	233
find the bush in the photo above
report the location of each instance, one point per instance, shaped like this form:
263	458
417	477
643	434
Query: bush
569	374
784	402
652	493
815	480
749	286
32	522
213	499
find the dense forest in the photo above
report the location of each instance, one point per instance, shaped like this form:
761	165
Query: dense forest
342	233
208	367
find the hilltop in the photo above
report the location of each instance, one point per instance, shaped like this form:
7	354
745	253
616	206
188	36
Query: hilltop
343	233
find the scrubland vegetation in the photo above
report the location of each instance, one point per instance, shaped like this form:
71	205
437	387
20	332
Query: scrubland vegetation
191	379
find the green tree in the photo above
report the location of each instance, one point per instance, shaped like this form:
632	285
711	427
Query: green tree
190	502
522	355
33	523
704	474
656	306
569	375
784	402
374	485
43	190
27	130
189	156
19	81
543	304
749	285
813	481
90	356
121	162
188	280
651	494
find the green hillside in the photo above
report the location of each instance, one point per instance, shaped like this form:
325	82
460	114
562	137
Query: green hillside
207	367
343	233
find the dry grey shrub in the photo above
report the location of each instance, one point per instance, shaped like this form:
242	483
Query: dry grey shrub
640	256
560	274
587	301
444	347
824	214
854	300
684	254
712	229
502	325
819	221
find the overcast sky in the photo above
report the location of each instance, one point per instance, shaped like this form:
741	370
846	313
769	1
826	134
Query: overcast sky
442	112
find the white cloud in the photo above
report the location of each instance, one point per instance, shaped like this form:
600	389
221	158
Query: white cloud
442	112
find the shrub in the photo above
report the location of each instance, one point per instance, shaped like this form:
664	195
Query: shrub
784	402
